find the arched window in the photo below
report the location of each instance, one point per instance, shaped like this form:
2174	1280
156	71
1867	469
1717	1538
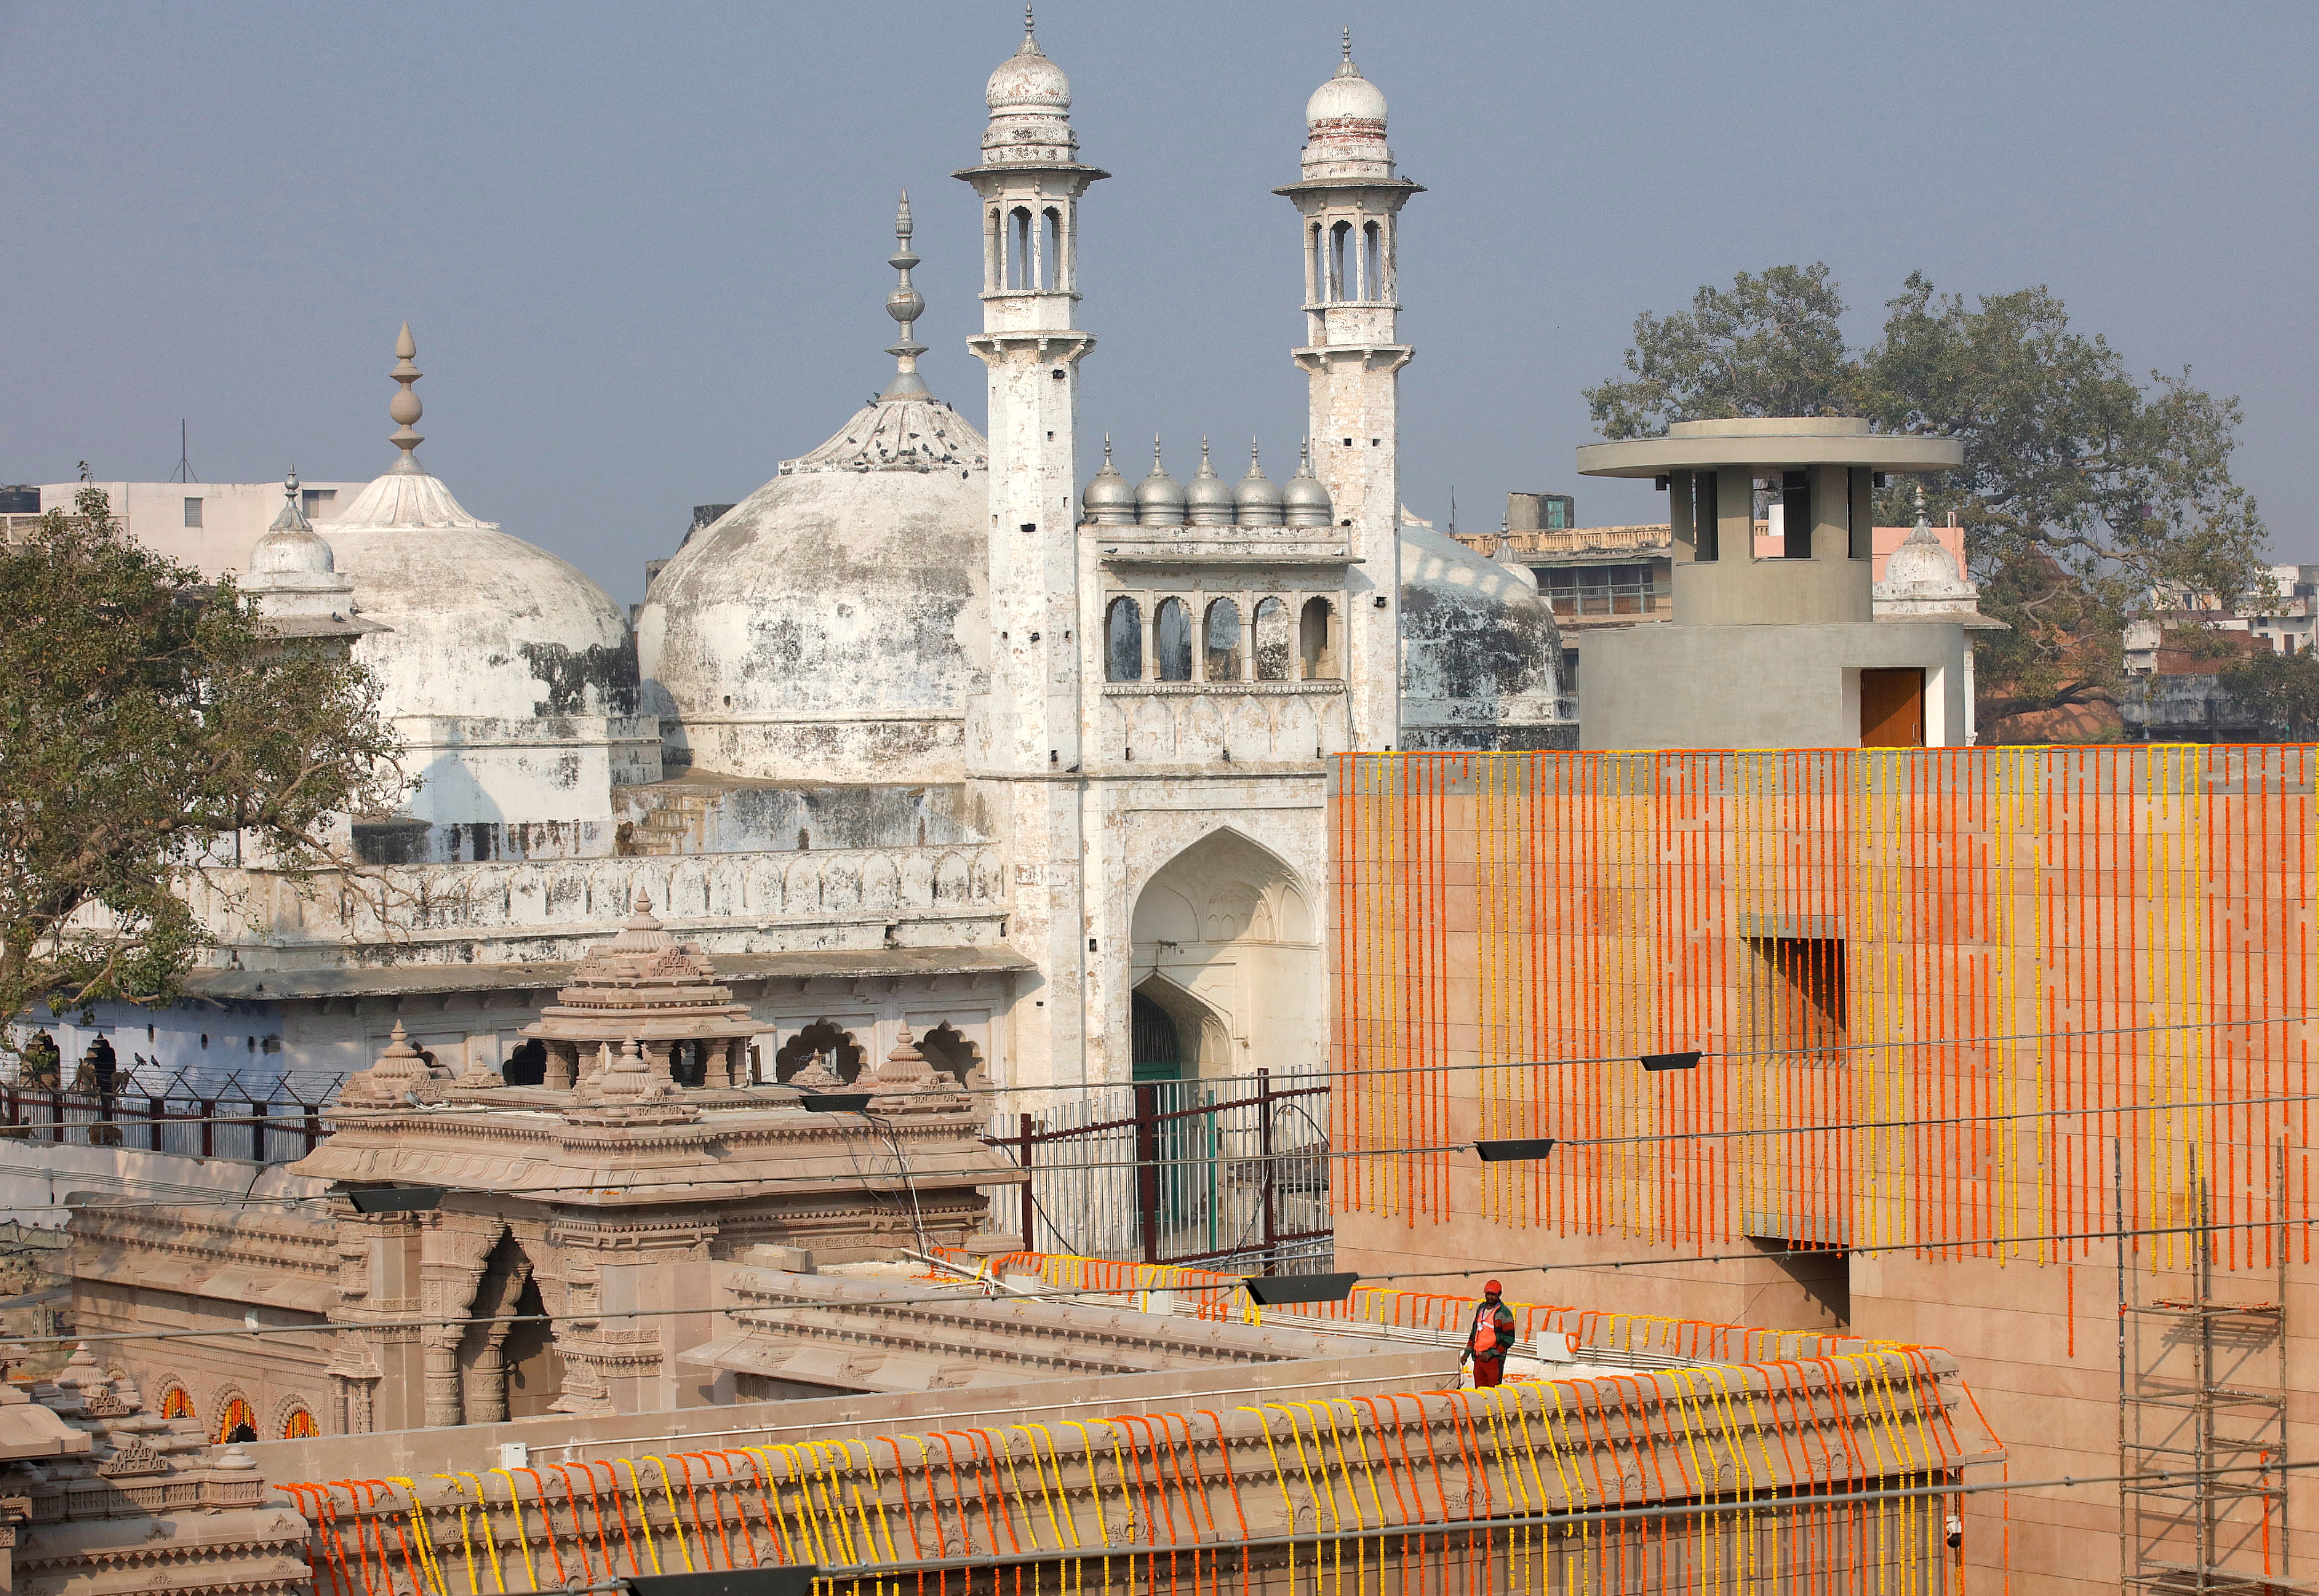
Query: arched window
1316	266
993	250
176	1404
1171	640
688	1063
1339	236
298	1425
1271	641
946	1049
1373	262
1050	253
1124	642
1223	656
1023	269
1316	643
839	1053
237	1423
527	1066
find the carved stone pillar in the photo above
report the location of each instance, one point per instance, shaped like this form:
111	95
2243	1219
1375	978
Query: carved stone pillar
562	1065
444	1403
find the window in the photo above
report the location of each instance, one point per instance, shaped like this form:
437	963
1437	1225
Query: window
1124	642
237	1424
1316	643
1707	529
176	1404
1223	657
1600	590
298	1425
316	502
1271	641
1339	237
1052	274
1372	262
1171	640
192	512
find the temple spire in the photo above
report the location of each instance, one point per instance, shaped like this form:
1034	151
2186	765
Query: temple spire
404	408
905	305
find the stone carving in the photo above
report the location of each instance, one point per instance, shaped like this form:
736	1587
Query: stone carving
133	1457
387	1084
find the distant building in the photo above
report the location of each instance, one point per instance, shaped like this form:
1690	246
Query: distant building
210	525
2286	623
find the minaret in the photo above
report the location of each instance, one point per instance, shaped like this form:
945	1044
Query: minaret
1030	183
1349	204
1023	741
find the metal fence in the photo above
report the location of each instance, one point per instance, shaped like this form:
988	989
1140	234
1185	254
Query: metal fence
1222	1172
261	1127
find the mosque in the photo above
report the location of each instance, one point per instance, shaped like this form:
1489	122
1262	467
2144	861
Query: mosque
938	728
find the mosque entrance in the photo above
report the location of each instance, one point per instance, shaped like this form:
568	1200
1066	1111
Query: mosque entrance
1225	949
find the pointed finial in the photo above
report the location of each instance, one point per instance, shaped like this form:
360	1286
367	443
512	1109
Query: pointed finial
1255	457
1155	451
1107	451
1204	450
905	305
1349	42
1345	67
404	408
1920	504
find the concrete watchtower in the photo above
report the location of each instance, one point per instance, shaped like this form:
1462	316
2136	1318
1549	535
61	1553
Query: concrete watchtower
1779	649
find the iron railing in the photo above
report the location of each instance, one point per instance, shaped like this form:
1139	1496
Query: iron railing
1226	1171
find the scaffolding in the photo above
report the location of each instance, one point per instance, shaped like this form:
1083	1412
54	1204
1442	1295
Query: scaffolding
2202	1424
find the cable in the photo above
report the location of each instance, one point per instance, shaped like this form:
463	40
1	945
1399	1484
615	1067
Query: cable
1307	1153
1224	1284
1337	1073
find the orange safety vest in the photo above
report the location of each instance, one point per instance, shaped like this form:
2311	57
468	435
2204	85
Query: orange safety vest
1492	1331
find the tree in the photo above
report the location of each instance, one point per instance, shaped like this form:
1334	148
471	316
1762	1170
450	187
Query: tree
2087	499
148	721
1770	347
2283	689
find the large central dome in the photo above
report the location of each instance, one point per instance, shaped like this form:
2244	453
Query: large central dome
830	626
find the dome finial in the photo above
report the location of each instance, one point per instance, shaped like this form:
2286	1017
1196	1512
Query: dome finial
1922	524
905	305
404	408
1030	36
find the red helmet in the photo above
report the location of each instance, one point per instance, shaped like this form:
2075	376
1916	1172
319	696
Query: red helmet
1490	1288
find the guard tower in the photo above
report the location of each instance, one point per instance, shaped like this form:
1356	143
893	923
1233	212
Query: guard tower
1774	647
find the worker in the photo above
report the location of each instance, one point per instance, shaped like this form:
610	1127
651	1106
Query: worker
1491	1339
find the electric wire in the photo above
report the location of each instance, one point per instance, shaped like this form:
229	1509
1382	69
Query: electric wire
329	1327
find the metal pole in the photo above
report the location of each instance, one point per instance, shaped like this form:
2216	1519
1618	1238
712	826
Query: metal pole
1030	1208
209	1127
1266	1190
1146	1169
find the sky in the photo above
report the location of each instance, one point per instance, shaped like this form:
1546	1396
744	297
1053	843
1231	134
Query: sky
641	247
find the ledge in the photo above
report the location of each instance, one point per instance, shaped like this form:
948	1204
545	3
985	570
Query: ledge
268	986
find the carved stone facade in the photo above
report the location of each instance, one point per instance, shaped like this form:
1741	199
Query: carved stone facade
98	1495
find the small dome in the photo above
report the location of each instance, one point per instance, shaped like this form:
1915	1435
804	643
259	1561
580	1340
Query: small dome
1257	495
1208	502
1481	653
291	546
1158	500
1028	81
1346	96
1920	568
1109	500
1304	502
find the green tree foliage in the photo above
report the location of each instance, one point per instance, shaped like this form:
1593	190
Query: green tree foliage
149	721
2284	688
2087	497
1770	346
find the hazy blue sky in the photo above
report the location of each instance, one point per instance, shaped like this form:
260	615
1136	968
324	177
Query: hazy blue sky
643	247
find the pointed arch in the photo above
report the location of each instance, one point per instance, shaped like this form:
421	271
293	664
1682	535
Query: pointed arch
1223	939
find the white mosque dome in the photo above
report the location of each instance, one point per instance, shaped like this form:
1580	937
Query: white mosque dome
479	624
1920	568
1028	81
1346	96
832	625
1477	640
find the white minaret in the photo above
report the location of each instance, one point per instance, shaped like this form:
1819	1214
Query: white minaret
1349	204
1025	738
